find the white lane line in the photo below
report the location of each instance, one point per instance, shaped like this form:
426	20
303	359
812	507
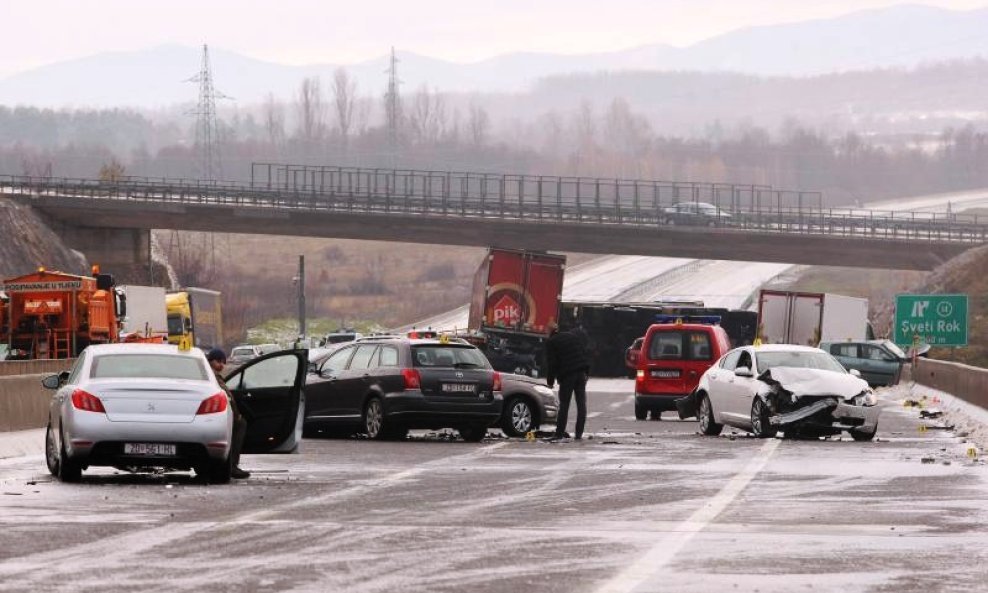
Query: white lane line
617	405
593	414
663	550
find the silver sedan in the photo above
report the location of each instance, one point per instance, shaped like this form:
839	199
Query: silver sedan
135	406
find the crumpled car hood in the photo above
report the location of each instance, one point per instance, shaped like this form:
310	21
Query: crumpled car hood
815	382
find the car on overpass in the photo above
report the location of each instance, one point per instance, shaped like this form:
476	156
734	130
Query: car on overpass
694	214
799	390
149	406
384	386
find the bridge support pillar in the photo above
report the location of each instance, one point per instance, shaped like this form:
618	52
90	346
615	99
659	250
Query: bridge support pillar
113	249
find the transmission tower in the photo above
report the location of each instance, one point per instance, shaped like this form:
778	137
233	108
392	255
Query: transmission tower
393	108
207	130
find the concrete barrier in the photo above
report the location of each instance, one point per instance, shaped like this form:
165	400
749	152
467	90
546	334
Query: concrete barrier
23	402
960	380
31	367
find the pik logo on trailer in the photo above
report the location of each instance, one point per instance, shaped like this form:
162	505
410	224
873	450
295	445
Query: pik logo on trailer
506	311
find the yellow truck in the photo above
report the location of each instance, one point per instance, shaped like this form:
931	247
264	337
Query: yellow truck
195	315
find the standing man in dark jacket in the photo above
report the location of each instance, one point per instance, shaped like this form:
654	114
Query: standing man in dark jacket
567	362
217	360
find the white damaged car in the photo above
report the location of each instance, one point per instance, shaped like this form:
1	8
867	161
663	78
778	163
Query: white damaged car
798	390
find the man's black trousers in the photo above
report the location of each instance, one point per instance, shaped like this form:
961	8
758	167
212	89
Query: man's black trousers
572	384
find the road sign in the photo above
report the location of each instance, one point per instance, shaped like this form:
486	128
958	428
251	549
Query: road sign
934	319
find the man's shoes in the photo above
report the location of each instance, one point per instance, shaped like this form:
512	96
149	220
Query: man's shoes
239	474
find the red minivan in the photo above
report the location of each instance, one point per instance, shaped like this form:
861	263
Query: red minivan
672	359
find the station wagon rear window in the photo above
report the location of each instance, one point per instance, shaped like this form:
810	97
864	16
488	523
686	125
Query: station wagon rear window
147	366
680	345
448	356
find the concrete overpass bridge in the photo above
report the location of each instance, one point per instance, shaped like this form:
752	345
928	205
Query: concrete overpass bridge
110	221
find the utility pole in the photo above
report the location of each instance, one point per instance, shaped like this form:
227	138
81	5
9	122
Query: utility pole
207	144
392	105
301	297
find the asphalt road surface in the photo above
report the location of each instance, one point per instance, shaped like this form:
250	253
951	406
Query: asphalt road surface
642	506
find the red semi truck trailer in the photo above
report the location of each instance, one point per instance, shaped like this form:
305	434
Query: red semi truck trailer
516	297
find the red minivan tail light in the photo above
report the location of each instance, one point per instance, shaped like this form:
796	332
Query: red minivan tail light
83	400
497	381
213	404
413	380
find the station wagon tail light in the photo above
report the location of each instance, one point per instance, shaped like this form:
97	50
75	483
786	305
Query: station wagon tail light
413	380
497	381
213	404
83	400
640	375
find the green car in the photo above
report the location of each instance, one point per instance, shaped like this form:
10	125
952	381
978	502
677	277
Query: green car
878	361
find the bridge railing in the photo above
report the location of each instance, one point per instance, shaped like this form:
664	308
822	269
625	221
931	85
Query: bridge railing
556	199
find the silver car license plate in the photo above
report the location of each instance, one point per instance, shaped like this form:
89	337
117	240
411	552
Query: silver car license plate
666	374
149	449
457	388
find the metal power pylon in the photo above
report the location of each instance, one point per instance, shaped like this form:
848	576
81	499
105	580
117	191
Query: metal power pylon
393	107
207	144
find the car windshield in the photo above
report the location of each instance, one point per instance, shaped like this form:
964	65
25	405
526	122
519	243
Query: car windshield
148	366
242	352
893	348
449	356
797	359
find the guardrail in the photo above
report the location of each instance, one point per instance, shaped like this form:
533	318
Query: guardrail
545	200
966	382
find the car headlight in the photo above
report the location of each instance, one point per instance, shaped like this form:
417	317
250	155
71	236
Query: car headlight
866	398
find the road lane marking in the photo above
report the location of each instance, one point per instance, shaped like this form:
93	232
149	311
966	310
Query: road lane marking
663	550
616	405
593	414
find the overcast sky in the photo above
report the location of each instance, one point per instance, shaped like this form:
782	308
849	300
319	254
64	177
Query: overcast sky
37	32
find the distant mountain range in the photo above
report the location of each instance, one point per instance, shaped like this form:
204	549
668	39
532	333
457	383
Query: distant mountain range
900	36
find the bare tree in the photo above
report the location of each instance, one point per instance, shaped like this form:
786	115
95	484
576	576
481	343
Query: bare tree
274	121
478	125
428	119
344	98
311	111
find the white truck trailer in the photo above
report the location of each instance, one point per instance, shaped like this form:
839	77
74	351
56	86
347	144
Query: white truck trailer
143	312
808	318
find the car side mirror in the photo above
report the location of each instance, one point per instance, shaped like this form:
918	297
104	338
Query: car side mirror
744	372
187	324
52	381
856	373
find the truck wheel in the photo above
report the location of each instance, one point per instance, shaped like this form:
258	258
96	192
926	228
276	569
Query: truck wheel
641	412
760	425
705	413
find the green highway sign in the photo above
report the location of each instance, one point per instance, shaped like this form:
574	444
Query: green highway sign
934	319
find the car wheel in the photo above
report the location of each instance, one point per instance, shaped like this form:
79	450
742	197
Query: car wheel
656	414
219	472
473	434
863	435
705	413
68	470
51	452
518	418
641	412
374	422
760	425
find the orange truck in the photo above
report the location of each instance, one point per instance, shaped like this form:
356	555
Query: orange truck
56	315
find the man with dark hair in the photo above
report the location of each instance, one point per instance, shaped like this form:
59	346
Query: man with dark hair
217	360
567	361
